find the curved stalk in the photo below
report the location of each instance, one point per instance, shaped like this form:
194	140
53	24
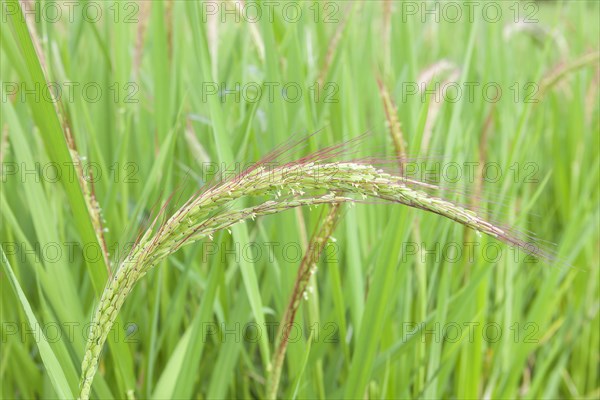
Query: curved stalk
307	268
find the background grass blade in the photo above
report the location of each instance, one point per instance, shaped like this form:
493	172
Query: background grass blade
53	367
53	136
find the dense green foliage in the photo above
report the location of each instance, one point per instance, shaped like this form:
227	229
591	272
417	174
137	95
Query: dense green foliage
148	92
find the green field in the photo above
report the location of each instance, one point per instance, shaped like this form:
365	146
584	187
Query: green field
115	113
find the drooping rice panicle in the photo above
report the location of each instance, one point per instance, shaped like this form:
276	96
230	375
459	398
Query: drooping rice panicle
309	181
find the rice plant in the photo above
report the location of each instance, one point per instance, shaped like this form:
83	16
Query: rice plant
147	253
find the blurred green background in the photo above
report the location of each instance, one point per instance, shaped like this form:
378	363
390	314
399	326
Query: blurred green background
161	95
